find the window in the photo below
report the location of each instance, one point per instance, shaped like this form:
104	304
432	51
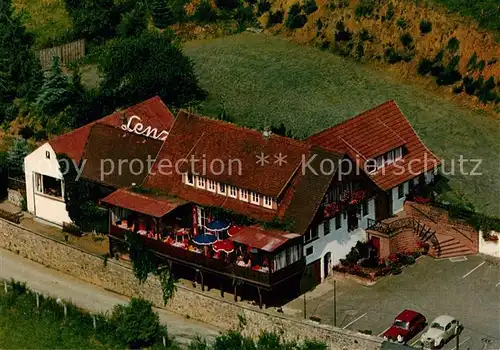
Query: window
309	251
380	162
398	153
326	227
314	232
233	191
200	183
255	198
338	221
222	188
294	253
211	185
371	165
389	157
202	217
307	236
244	195
365	207
279	260
268	202
47	154
190	179
401	191
48	185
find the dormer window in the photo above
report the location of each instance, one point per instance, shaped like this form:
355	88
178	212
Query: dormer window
190	179
200	182
233	191
222	188
211	185
398	153
268	202
255	198
243	195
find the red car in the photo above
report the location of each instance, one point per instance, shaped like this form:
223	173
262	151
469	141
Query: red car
406	325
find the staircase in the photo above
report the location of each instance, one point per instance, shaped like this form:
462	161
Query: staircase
449	247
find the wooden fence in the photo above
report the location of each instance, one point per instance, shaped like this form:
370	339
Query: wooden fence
67	53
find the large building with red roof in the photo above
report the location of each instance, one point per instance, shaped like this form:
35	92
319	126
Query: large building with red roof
235	202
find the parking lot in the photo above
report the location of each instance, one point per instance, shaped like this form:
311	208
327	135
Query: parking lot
468	289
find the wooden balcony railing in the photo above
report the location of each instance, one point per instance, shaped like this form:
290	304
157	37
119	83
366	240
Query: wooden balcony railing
184	256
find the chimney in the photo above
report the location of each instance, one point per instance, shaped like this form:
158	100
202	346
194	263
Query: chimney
266	133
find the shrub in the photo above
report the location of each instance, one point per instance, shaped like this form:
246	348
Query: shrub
453	45
365	35
401	23
227	4
245	15
136	324
295	18
472	64
161	13
263	6
364	8
309	7
205	13
16	154
389	14
392	56
425	26
26	132
424	66
360	50
319	24
275	18
406	39
133	23
342	33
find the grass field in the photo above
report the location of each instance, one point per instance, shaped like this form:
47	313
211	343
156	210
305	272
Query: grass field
266	80
48	19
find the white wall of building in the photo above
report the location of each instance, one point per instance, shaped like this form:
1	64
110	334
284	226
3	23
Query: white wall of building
397	203
487	247
43	206
338	242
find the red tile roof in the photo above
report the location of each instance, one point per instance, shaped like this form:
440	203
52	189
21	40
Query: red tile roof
375	132
156	206
264	239
153	112
214	142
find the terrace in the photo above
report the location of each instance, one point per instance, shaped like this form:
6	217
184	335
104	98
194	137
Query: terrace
252	255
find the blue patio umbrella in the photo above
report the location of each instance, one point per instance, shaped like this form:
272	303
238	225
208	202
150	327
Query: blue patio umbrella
204	239
218	225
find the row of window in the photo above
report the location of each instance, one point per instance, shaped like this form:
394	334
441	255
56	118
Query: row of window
313	232
229	190
385	159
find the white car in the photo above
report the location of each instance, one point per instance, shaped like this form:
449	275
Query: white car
440	331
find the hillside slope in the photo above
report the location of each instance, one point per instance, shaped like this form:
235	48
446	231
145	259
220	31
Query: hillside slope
382	26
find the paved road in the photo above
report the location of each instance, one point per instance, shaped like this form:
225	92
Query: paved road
90	297
468	290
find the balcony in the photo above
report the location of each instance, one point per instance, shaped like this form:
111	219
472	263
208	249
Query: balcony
202	262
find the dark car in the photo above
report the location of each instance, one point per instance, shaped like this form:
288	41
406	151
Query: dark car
406	325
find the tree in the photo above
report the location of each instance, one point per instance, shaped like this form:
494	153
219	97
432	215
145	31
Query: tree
92	19
16	154
20	71
136	324
161	13
163	70
133	22
55	93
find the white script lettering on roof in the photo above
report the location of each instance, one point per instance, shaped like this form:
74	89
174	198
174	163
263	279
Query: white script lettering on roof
140	129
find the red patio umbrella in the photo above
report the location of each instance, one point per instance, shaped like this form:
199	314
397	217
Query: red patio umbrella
234	230
224	246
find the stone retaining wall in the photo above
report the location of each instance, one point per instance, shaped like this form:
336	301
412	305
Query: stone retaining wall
118	277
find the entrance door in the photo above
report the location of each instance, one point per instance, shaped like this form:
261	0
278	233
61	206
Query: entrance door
376	244
382	206
352	220
326	264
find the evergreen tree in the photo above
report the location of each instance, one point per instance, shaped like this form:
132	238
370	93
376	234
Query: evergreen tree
133	22
93	19
20	72
161	13
16	154
56	92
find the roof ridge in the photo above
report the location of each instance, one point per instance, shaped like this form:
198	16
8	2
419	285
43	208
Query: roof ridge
351	118
244	128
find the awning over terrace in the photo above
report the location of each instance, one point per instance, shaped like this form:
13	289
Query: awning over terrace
260	238
144	203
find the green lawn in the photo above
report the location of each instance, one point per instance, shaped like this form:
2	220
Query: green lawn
267	80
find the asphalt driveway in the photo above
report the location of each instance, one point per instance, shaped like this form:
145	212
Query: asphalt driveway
468	289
